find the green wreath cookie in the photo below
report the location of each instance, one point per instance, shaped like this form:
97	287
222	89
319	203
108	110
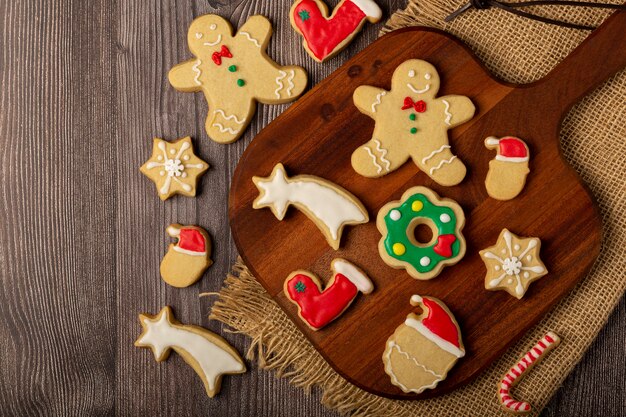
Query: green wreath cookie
398	246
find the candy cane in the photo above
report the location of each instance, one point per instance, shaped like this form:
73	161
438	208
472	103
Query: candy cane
513	376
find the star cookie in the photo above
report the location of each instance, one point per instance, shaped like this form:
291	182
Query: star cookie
174	168
513	263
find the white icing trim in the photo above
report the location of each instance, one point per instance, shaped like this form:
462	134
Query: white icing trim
511	158
188	252
278	81
378	167
447	112
394	379
378	100
356	276
416	91
290	80
445	161
219	39
229	117
369	7
383	152
443	344
433	153
251	39
198	72
225	129
492	141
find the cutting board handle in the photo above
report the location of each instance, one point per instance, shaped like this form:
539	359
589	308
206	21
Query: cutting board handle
596	59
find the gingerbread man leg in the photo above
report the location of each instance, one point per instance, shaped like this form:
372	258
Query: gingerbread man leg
438	161
375	158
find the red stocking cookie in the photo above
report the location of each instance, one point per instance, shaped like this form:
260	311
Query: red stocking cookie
319	307
325	36
508	170
513	376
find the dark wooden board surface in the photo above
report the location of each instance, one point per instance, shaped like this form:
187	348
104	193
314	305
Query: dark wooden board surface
83	90
555	206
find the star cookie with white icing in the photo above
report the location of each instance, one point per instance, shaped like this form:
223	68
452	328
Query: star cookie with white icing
513	263
174	168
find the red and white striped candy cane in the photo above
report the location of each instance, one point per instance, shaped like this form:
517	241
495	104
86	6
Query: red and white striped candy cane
513	376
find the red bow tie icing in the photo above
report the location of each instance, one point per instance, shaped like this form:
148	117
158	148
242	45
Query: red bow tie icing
223	53
419	106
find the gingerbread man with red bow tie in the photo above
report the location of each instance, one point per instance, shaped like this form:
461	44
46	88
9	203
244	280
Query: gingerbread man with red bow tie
411	122
234	72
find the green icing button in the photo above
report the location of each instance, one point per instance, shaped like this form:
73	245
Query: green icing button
241	82
232	68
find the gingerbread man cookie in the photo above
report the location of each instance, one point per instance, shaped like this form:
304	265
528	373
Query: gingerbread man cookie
233	72
411	123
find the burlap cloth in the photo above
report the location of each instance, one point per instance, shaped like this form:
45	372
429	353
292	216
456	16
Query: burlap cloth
593	139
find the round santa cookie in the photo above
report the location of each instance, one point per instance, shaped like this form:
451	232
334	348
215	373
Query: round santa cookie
508	170
186	260
399	247
234	72
422	350
326	36
411	122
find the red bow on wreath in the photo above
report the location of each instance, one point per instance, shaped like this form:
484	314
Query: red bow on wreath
217	56
419	106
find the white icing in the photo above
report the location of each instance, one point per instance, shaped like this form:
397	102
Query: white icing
213	26
214	361
394	379
427	76
356	276
316	196
225	129
369	152
379	96
445	218
290	81
198	35
526	275
218	40
369	7
425	261
251	39
447	112
416	91
435	152
281	76
443	344
445	161
382	153
173	167
188	252
492	141
229	116
497	267
517	247
395	215
512	158
198	71
411	73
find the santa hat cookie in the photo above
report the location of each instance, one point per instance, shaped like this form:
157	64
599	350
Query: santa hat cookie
325	36
185	262
424	348
508	170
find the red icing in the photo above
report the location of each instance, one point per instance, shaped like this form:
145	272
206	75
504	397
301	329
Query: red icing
440	323
323	35
191	240
444	245
320	308
223	53
513	148
419	106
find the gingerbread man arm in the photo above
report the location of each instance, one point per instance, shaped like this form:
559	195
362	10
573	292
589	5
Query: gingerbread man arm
184	77
257	30
367	98
457	109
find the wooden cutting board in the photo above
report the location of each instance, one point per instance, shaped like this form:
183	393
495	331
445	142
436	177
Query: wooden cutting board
317	136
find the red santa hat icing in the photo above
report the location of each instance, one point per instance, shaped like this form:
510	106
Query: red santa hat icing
510	149
190	240
439	326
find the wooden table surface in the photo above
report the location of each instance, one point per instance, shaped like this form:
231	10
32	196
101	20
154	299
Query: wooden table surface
83	92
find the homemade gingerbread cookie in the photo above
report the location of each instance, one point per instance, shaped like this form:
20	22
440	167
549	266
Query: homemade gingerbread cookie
186	260
325	36
411	122
208	354
508	170
397	221
513	263
233	72
174	168
521	368
422	350
317	307
328	205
